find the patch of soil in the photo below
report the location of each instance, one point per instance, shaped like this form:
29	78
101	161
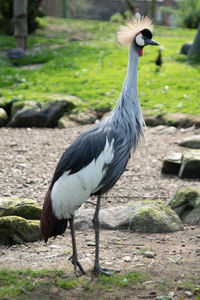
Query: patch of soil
28	158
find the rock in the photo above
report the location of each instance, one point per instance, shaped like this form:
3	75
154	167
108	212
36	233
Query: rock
34	114
64	122
190	166
25	208
185	48
191	142
186	203
162	129
172	164
17	230
83	118
148	254
151	119
189	294
16	53
141	216
182	120
154	216
127	259
3	117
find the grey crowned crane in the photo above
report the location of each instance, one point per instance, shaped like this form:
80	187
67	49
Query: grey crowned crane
93	163
159	60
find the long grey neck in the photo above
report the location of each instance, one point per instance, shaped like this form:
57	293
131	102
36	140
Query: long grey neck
128	108
126	115
128	99
130	85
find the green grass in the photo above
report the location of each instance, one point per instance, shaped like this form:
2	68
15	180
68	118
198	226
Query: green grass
94	67
23	282
56	284
26	284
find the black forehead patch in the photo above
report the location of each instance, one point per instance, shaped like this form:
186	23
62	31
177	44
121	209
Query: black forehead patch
147	33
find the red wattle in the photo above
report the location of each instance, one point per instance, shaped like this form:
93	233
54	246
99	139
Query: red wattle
140	51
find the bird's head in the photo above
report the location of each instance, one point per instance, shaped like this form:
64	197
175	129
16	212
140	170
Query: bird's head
137	31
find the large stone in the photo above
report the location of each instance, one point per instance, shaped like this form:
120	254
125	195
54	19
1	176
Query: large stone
34	114
83	118
186	203
17	53
64	122
25	208
185	48
17	230
141	216
151	119
191	142
172	164
190	166
182	120
3	117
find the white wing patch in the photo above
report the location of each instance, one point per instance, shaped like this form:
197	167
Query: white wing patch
70	191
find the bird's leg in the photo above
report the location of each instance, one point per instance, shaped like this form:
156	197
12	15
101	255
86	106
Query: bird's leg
74	256
97	268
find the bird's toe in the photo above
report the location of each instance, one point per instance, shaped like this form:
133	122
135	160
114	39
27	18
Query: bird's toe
104	271
77	265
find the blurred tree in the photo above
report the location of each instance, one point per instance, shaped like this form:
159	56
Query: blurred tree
145	7
130	4
188	14
6	15
80	6
64	8
20	23
194	52
153	9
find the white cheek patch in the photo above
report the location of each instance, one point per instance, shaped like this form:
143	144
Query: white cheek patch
139	40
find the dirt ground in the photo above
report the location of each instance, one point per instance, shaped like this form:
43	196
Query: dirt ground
27	161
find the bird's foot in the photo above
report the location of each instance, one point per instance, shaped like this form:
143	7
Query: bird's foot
76	264
104	271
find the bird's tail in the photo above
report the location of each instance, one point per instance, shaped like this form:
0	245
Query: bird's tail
49	224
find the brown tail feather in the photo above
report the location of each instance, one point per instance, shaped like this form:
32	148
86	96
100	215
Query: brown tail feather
49	224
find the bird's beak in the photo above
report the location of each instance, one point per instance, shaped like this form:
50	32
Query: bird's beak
151	42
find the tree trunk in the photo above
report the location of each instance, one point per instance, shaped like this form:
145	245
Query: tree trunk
194	52
145	7
20	23
64	9
153	9
130	5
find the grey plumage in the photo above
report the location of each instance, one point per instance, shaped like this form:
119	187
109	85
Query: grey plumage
124	124
93	163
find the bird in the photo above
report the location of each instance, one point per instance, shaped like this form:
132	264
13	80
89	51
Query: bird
96	159
159	60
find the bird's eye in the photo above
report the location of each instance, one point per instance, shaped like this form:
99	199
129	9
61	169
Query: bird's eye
140	40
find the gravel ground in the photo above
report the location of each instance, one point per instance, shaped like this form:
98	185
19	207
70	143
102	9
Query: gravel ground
28	158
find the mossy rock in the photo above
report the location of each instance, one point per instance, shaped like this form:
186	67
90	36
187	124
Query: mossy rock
141	216
190	166
39	114
17	230
24	208
154	216
186	195
186	203
172	164
3	117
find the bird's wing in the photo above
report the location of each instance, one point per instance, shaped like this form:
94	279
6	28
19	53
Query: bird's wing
87	147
